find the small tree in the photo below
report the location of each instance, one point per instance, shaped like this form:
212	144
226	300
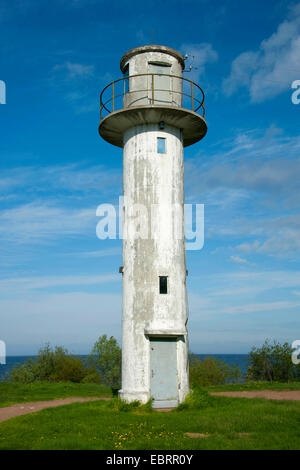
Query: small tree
212	371
106	359
51	364
24	373
48	359
272	361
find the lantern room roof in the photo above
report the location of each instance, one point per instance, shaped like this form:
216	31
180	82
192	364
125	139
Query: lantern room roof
151	48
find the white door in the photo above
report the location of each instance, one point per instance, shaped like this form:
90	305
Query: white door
162	84
164	380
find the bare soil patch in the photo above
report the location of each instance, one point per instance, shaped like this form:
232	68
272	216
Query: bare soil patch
269	394
196	435
25	408
165	410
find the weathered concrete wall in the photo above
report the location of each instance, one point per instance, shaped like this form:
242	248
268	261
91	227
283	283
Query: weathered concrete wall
139	64
155	181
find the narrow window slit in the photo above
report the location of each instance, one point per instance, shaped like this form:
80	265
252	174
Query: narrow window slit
163	284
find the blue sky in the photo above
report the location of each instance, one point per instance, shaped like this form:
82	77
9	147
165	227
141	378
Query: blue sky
58	281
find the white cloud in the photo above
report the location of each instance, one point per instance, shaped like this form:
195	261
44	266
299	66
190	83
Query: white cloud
17	285
77	84
247	282
248	247
40	222
44	204
32	316
233	311
271	69
74	71
238	259
75	318
268	163
281	237
100	253
269	279
70	177
259	307
245	292
251	191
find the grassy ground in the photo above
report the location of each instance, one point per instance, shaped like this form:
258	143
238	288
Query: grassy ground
11	393
228	423
254	386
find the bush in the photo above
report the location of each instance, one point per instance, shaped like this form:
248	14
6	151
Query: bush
70	369
105	358
56	365
47	361
53	365
211	371
272	361
92	378
24	373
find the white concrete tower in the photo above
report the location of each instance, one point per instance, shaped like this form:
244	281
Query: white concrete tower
151	112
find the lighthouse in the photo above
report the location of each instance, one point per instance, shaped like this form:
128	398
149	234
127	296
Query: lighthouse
153	112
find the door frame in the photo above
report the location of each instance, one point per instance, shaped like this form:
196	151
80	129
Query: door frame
160	64
176	337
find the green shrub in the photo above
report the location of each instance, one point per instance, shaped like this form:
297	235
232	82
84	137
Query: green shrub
24	373
91	378
47	360
69	369
211	371
105	358
52	365
56	365
272	362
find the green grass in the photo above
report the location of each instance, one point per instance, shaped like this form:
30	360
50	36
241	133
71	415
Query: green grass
229	423
11	393
262	385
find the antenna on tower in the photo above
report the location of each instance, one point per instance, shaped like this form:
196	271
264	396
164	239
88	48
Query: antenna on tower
190	67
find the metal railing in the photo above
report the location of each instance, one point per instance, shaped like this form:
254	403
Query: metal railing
183	93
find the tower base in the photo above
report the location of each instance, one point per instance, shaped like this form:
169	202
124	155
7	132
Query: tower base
134	395
144	397
165	404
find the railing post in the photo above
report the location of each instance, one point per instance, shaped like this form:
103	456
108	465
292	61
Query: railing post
192	95
113	97
152	88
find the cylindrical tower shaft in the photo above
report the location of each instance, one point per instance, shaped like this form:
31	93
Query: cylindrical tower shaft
155	117
154	249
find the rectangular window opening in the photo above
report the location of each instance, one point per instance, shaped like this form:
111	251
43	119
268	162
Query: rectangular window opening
161	145
163	284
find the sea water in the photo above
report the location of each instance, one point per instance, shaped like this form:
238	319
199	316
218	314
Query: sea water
239	360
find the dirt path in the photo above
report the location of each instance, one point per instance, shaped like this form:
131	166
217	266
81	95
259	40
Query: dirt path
269	394
25	408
